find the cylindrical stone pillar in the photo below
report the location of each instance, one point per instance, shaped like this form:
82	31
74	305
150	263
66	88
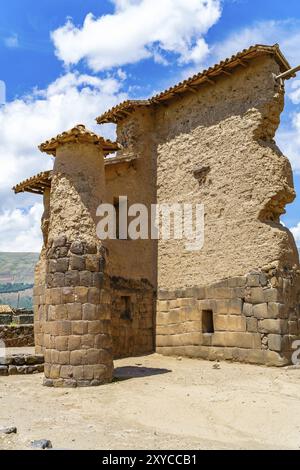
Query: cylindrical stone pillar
77	330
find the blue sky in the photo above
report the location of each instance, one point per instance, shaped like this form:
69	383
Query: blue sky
65	62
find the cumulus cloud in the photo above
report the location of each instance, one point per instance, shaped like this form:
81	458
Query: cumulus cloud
296	232
20	230
139	29
26	122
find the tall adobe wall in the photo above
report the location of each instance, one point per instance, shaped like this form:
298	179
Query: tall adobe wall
238	297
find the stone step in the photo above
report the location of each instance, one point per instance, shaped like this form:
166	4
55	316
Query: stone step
21	364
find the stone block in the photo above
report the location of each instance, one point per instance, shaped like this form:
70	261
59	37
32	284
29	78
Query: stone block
61	343
64	328
98	280
58	280
237	339
89	312
81	294
86	278
61	312
62	265
221	306
79	327
239	281
198	293
74	342
273	326
252	324
256	295
94	327
54	371
275	342
77	248
88	341
88	372
253	280
219	293
3	371
74	311
77	263
235	307
77	357
273	359
260	311
164	294
66	372
229	323
64	358
72	278
52	266
248	310
93	295
68	295
56	296
293	328
92	356
90	248
92	263
277	310
263	280
273	295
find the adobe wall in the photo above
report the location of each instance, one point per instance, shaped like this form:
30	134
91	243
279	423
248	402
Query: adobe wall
133	263
246	277
229	129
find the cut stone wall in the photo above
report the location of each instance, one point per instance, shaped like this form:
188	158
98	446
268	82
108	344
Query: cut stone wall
133	317
17	336
256	318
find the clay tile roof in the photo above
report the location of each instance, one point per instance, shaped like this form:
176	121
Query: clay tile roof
5	309
225	67
79	133
36	184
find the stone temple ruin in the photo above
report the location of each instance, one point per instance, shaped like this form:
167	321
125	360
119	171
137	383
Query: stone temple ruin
209	139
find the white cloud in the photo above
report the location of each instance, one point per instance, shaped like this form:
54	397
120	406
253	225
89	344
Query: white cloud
12	41
25	123
296	232
20	230
139	29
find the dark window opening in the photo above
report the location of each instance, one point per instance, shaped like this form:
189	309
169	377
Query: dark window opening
208	321
126	312
117	209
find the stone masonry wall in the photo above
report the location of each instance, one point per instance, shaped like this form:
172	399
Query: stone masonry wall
133	321
256	318
75	305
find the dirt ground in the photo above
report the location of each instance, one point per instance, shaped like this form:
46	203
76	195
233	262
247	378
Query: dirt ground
159	403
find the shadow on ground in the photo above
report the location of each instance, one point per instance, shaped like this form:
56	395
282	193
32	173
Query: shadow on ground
133	372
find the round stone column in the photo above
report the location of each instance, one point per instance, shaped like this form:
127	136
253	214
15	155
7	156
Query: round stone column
77	330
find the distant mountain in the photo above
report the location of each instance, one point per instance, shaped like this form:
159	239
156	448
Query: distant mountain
17	267
17	278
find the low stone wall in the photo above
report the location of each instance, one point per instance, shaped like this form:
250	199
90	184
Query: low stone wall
20	364
17	336
132	317
254	318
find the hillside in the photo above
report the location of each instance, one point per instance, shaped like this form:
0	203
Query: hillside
17	278
17	267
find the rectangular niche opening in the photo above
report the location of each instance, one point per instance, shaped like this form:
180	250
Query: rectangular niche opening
208	322
126	312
